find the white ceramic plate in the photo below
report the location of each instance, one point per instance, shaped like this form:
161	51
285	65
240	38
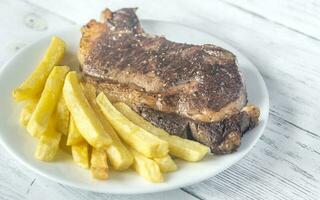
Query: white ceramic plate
21	145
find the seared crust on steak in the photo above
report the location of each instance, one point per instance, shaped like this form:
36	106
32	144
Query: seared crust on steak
200	84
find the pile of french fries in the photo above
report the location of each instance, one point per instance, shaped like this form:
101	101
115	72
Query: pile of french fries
64	113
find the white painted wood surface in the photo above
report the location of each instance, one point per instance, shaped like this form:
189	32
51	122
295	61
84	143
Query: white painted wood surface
281	37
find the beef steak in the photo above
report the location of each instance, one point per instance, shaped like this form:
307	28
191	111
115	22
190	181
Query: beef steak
197	89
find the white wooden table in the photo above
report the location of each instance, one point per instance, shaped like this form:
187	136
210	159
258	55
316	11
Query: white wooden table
281	37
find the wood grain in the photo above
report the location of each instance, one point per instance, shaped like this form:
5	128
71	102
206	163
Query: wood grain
280	167
298	16
280	37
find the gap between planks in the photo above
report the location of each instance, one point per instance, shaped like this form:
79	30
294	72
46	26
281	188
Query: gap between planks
314	135
192	194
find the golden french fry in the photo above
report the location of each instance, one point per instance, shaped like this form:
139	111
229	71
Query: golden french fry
80	154
182	148
119	156
185	149
84	117
38	122
63	116
27	111
138	138
74	136
146	167
34	84
166	164
99	164
48	144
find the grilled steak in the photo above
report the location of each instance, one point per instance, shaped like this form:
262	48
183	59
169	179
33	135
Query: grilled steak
193	91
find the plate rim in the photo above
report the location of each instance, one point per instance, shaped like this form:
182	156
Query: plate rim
141	191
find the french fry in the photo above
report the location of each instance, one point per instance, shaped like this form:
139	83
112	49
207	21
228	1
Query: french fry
27	111
74	136
34	84
138	138
166	164
185	149
80	154
182	148
99	164
63	116
38	122
146	167
48	144
63	144
119	156
84	117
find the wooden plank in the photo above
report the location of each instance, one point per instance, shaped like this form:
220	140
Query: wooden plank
281	166
72	9
297	15
14	179
19	183
24	24
65	192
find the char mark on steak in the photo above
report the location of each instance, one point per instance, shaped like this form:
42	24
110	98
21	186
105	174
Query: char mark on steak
197	85
222	137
